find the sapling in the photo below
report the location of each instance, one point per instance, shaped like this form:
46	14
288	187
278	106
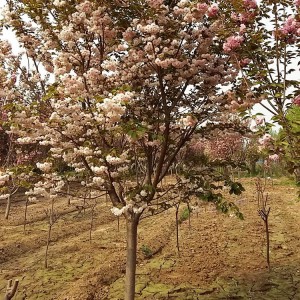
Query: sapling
264	211
68	192
25	214
52	219
177	205
92	218
93	207
189	214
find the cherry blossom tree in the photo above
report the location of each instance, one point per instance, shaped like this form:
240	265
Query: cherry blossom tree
116	89
269	61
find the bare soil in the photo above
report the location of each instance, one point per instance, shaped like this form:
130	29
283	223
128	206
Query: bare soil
220	256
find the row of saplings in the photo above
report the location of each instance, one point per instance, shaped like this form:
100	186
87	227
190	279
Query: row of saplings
52	218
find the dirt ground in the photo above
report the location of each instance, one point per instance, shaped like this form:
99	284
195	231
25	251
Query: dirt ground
221	257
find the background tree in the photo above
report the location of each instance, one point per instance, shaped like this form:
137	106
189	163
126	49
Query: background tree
268	62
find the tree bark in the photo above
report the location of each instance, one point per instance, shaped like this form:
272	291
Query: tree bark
131	225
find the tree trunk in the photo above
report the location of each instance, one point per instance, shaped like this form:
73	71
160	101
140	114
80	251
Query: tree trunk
8	205
297	175
131	225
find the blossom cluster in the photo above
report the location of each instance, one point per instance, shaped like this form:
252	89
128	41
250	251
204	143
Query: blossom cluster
290	29
265	140
296	100
244	18
129	207
232	43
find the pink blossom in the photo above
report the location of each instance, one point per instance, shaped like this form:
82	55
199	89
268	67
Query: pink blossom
232	43
129	35
260	120
213	10
246	17
297	3
265	140
250	4
296	100
242	28
202	7
245	62
290	26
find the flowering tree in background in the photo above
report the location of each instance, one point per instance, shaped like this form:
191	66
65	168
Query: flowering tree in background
291	154
226	147
237	149
115	90
269	62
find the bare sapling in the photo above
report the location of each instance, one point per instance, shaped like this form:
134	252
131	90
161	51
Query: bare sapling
25	214
189	215
264	211
52	219
92	215
11	289
177	205
68	192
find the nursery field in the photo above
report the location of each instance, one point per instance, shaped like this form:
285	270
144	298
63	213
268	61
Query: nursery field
220	256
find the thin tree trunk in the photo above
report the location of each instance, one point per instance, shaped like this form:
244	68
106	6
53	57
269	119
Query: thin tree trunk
92	215
68	192
268	243
177	229
189	209
25	214
47	247
52	220
92	221
131	226
8	205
